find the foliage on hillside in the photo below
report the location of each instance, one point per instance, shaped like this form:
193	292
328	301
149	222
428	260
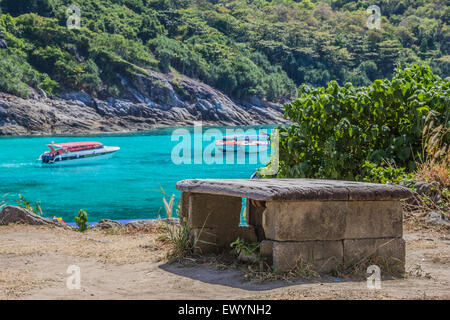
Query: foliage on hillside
242	47
341	132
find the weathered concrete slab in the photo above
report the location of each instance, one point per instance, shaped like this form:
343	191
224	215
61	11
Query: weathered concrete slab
185	204
374	219
331	220
323	256
295	189
304	221
391	251
214	211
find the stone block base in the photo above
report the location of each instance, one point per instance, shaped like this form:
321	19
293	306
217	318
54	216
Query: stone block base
216	211
388	254
323	256
326	256
209	240
332	220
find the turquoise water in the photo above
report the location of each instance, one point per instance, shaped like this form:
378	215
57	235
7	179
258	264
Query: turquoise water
123	187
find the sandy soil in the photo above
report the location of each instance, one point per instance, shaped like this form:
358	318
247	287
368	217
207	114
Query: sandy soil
131	265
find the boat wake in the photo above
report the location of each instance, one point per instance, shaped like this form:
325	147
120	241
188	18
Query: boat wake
17	165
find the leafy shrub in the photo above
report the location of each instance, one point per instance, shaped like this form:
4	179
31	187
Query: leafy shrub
82	221
246	249
335	130
384	174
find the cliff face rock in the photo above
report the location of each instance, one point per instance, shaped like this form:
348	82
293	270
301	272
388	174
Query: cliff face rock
148	101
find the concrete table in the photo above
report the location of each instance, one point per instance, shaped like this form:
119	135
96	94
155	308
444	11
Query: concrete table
324	223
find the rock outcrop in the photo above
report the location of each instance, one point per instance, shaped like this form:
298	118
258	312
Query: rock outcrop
437	217
147	102
431	190
106	224
143	223
11	214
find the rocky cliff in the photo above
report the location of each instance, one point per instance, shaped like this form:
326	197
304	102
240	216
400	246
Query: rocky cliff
147	101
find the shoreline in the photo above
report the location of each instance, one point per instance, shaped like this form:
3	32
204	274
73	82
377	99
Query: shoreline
123	222
139	131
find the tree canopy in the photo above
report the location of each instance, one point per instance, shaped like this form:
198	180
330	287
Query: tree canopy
242	47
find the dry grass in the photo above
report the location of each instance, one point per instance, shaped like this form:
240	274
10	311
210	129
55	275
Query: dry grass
358	267
263	272
435	171
434	162
433	166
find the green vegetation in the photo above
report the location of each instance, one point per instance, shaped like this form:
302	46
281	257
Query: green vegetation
338	131
247	249
385	174
24	203
82	221
180	239
244	48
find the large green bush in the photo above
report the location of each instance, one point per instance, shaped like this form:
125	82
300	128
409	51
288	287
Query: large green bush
335	130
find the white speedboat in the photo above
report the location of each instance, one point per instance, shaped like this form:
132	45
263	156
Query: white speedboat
244	143
71	152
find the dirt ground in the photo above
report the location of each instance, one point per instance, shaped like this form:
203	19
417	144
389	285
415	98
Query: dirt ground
119	264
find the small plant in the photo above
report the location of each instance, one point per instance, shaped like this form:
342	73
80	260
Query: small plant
179	237
246	249
82	221
184	243
168	206
304	270
24	203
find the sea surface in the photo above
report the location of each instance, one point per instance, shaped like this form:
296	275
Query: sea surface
126	186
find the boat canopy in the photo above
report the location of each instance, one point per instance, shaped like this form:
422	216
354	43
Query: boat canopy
76	146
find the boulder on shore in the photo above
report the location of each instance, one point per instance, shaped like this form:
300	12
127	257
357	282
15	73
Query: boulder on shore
106	224
143	223
12	214
139	223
